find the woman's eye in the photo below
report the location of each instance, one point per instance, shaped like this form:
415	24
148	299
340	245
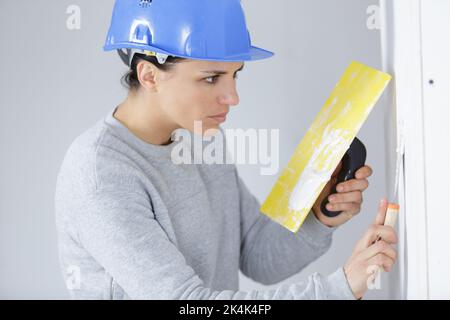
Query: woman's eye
212	79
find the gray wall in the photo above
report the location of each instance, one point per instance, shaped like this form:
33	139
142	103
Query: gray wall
55	83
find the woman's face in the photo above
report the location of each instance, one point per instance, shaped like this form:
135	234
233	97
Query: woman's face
198	90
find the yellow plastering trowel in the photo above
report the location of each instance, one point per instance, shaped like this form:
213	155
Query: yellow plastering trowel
324	145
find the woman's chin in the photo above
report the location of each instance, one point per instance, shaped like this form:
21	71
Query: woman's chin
212	131
207	127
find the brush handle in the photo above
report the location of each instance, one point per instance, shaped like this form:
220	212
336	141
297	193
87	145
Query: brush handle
354	159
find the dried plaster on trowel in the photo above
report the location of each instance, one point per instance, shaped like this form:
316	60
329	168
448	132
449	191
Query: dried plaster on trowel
313	176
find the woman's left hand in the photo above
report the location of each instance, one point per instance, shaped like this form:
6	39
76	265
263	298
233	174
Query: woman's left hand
348	198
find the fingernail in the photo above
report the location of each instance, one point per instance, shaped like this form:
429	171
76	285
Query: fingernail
329	206
339	188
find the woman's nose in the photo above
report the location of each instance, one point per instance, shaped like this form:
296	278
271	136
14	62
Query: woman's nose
230	97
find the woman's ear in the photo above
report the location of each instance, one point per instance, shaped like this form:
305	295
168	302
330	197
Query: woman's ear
147	75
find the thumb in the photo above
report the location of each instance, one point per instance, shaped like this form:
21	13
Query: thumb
337	170
381	214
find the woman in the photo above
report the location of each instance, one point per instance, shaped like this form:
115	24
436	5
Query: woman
133	223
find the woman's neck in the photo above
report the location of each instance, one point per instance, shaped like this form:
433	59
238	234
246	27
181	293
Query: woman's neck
145	120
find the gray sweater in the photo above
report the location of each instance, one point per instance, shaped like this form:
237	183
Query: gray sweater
134	225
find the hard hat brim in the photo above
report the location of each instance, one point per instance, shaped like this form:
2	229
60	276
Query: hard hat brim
254	53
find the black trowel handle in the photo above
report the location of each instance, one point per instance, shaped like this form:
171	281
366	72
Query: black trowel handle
354	159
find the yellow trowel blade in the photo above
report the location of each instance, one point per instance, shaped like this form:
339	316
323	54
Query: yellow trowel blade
324	145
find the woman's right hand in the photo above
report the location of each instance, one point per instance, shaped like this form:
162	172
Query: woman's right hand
369	254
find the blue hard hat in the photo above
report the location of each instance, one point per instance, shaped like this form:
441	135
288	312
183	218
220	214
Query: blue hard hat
213	30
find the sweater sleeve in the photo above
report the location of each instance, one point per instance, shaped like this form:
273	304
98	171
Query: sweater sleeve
119	229
269	252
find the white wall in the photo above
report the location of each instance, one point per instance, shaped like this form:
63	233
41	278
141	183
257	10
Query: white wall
415	52
436	67
55	83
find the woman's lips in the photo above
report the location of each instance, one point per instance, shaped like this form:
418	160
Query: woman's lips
220	117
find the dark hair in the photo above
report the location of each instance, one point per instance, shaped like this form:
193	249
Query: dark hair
130	79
